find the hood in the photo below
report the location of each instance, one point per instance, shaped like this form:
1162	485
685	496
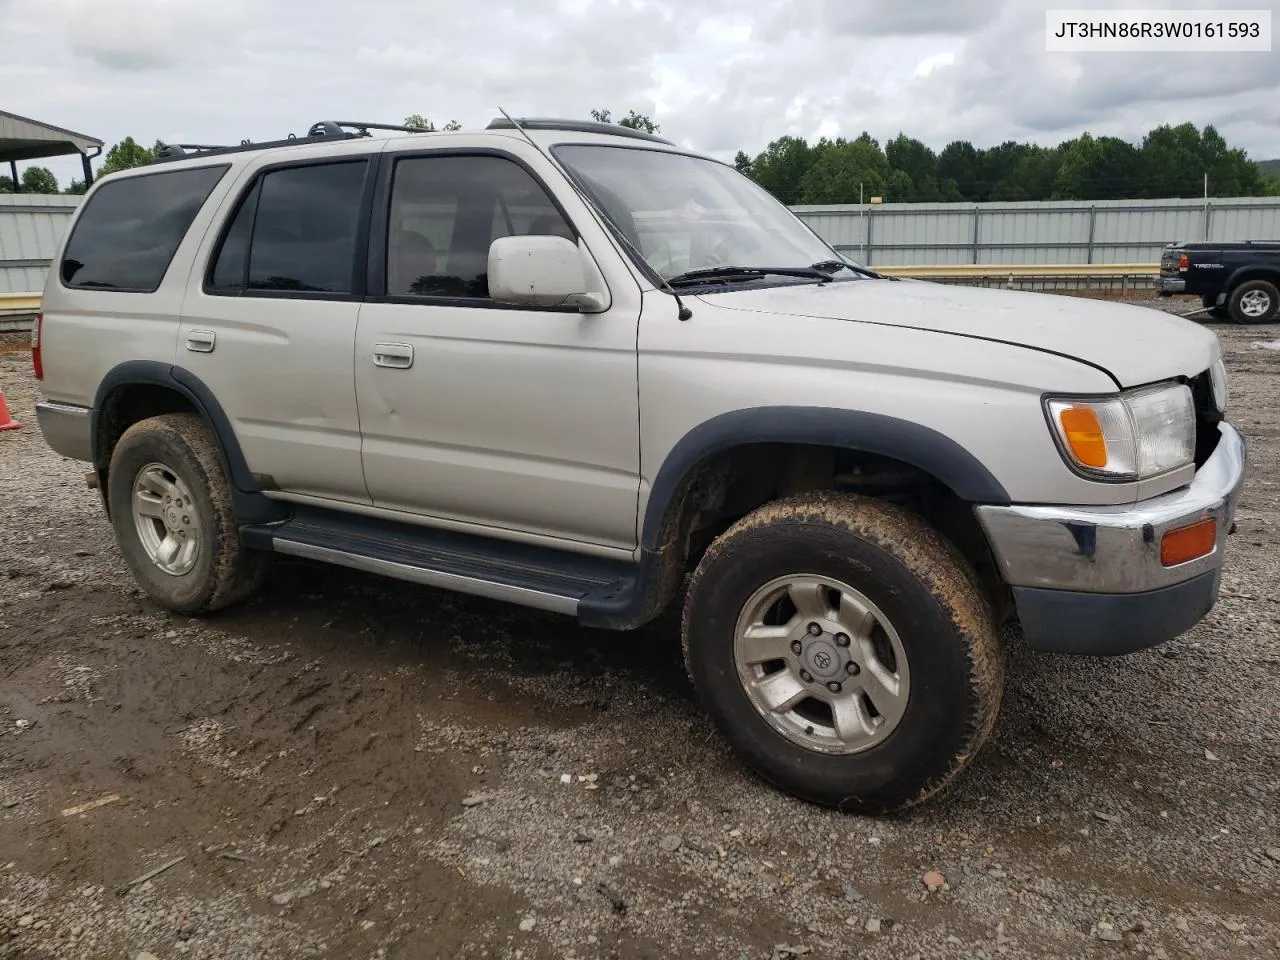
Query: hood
1135	345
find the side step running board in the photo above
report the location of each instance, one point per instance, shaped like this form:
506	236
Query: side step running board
497	569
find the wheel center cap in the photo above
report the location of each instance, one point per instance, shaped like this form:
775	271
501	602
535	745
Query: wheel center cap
172	519
822	659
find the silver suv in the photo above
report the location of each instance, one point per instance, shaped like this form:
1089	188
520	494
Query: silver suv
565	365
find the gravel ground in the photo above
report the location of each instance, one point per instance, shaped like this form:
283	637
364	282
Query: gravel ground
353	767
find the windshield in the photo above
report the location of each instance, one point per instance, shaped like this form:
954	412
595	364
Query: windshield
688	213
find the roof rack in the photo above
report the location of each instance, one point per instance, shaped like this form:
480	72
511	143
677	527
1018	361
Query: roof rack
576	126
317	133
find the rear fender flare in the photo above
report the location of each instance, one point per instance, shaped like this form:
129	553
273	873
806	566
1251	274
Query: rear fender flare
250	504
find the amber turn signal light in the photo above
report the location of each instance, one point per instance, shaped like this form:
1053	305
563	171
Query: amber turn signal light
1188	543
1084	436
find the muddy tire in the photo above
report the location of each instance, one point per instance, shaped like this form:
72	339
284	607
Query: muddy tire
845	650
1254	301
173	518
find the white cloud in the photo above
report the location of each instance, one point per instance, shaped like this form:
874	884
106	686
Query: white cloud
152	34
719	75
910	18
932	63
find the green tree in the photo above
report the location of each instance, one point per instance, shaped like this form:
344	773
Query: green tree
6	185
1101	168
633	120
742	163
419	123
959	163
781	166
1171	163
918	163
639	121
843	170
126	155
76	188
1231	172
1031	177
39	180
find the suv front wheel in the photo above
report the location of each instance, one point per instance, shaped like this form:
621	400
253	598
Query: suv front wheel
845	650
173	518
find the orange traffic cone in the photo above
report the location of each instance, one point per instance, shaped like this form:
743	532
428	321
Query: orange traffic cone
6	422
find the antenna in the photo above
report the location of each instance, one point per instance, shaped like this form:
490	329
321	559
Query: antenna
684	312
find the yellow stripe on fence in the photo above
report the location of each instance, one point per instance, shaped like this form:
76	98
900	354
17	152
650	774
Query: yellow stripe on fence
960	271
19	304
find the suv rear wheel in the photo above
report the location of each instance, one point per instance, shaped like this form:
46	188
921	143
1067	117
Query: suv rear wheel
1254	301
173	519
845	650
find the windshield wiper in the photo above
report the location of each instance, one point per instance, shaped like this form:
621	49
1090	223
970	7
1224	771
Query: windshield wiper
832	266
693	277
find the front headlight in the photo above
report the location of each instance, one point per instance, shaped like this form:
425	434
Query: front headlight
1218	379
1139	434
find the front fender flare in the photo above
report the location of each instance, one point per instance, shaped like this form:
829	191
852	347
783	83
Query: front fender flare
920	446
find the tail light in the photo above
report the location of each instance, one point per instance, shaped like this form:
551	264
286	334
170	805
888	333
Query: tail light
37	362
1183	262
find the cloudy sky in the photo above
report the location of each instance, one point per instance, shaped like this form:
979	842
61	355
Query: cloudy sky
719	75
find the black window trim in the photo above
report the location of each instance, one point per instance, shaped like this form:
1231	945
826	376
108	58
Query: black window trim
88	205
373	161
376	285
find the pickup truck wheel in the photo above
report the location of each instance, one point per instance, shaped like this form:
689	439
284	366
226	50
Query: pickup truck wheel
1254	301
1215	311
173	519
845	650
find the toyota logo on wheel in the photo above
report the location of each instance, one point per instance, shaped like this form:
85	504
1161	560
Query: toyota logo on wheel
822	660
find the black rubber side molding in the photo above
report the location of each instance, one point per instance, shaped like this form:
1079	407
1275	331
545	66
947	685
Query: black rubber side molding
514	572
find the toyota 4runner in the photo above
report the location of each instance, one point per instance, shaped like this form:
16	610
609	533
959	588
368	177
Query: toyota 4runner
566	365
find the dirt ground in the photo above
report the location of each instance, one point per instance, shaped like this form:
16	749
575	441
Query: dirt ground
350	767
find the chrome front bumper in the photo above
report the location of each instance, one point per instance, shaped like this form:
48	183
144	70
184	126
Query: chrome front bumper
1104	562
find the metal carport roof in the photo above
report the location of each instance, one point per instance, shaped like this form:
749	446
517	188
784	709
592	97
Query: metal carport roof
24	139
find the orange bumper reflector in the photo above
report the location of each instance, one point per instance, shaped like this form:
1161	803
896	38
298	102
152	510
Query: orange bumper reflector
1188	543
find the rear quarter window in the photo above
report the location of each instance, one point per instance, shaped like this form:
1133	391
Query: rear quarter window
131	227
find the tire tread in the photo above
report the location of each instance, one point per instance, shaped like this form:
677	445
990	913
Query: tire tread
927	555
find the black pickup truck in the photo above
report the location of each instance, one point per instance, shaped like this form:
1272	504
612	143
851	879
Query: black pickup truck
1234	281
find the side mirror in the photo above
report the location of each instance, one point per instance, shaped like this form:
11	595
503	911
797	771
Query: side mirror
540	271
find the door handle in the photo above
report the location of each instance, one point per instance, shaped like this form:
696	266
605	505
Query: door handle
201	341
398	356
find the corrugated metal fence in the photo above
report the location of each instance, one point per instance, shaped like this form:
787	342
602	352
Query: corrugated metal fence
891	234
30	227
1103	231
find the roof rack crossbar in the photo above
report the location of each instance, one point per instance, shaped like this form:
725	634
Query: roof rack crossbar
362	125
577	126
317	133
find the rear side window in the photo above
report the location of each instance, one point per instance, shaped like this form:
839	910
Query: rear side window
130	229
294	231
